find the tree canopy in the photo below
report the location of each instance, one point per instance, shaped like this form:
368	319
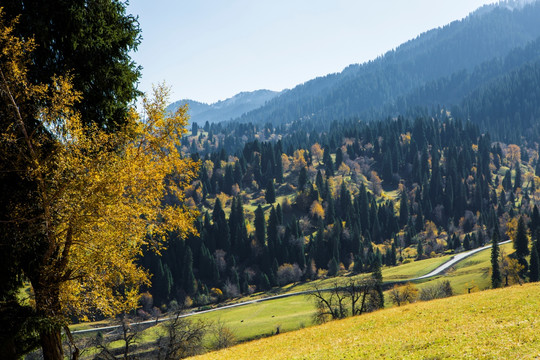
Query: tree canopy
92	40
88	200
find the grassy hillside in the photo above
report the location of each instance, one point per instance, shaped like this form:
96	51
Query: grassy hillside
296	312
493	324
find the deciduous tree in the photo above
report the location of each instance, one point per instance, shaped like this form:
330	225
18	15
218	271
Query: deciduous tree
89	199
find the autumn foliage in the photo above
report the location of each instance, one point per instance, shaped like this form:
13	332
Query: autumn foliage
96	197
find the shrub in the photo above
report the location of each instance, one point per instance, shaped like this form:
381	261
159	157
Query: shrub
436	291
288	273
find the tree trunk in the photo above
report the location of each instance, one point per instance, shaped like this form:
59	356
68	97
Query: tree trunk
48	307
51	344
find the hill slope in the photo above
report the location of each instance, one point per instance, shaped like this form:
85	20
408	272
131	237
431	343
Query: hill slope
476	326
489	33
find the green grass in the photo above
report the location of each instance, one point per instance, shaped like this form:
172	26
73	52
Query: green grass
292	313
262	319
470	326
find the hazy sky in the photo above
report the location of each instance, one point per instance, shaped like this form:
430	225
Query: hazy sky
209	50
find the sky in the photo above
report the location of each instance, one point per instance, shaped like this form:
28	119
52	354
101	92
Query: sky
210	50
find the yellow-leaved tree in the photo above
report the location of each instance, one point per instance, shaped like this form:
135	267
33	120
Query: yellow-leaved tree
92	199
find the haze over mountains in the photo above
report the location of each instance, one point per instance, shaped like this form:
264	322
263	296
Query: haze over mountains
440	67
226	109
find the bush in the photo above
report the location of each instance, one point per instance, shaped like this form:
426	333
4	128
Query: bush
436	291
403	294
288	273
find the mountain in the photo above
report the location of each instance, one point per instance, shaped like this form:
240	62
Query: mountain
226	109
361	90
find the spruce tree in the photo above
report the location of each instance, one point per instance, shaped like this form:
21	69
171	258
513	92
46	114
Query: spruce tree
517	178
260	225
403	208
270	195
302	178
496	279
521	244
378	282
189	282
419	250
272	233
534	269
333	267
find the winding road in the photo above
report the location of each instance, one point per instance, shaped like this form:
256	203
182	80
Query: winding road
439	270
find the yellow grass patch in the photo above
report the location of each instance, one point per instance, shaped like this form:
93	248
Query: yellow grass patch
494	324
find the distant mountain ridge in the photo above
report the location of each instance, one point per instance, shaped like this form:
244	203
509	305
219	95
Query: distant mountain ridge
441	66
225	109
361	90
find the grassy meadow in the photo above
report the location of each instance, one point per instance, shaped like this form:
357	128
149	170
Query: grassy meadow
263	319
493	324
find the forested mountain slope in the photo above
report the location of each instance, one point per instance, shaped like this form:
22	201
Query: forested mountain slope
489	33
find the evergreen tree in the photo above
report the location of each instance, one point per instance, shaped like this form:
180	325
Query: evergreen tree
419	250
260	225
333	267
272	234
279	214
521	244
517	179
496	279
378	282
189	283
270	195
534	269
264	283
403	208
235	279
358	265
339	157
91	39
302	178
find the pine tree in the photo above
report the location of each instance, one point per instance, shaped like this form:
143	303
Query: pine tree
302	178
272	233
270	195
260	225
517	179
403	208
496	279
358	265
189	282
521	244
264	283
378	282
419	250
534	269
333	267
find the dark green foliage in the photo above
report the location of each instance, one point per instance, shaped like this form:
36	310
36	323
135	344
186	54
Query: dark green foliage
264	283
419	250
403	209
521	242
260	225
302	178
189	282
91	39
517	179
333	267
496	279
534	268
376	275
270	195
